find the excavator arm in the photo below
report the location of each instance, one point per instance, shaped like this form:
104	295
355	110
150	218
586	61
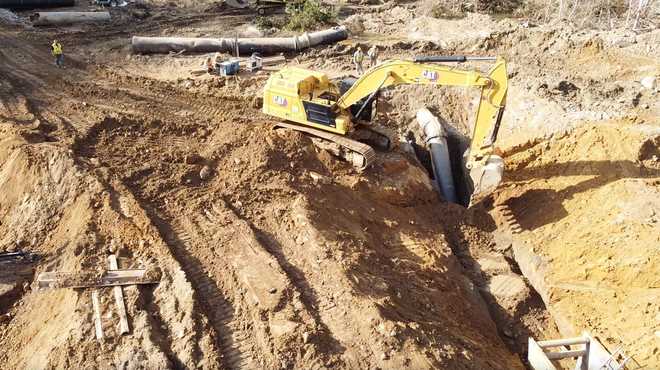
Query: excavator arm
484	169
401	72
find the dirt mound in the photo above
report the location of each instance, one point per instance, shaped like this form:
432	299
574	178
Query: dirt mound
69	218
588	204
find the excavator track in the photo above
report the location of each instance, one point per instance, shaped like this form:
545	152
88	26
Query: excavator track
359	154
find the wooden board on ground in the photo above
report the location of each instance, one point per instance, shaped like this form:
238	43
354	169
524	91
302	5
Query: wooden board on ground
273	60
198	72
97	315
89	279
119	299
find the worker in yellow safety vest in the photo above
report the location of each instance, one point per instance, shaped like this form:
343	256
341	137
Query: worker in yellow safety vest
56	50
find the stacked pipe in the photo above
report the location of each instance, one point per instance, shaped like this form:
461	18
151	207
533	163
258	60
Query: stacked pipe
436	139
246	46
30	4
63	18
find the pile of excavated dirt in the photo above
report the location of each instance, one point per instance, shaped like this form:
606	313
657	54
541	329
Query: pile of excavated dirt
588	203
65	215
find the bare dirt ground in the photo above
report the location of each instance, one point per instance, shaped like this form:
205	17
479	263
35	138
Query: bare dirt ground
276	255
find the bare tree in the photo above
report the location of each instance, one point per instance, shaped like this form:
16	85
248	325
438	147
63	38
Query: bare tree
601	13
641	10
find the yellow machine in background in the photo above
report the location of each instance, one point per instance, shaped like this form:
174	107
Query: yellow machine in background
329	110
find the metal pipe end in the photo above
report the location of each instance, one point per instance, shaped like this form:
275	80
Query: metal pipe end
430	125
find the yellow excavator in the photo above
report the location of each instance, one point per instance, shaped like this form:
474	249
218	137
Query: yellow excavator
338	112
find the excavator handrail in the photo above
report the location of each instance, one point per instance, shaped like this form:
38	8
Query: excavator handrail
445	75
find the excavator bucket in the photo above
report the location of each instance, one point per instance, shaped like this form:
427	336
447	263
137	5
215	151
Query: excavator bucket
484	177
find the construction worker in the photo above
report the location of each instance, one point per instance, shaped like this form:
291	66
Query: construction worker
358	57
217	60
372	53
210	66
56	50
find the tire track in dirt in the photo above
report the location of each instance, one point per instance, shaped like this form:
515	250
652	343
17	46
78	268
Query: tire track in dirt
236	349
214	217
313	303
30	84
219	311
224	287
231	333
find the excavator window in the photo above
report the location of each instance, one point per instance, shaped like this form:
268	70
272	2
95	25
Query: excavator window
329	96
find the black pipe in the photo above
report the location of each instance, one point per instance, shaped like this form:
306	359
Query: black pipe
30	4
441	58
246	46
436	139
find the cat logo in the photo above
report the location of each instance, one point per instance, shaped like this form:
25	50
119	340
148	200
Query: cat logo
280	100
430	75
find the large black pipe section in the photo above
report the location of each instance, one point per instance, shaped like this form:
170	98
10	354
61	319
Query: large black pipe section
64	18
246	46
436	139
31	4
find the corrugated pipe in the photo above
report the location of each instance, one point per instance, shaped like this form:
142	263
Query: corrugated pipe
436	139
30	4
246	46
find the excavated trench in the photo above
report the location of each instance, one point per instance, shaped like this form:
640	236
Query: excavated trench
507	273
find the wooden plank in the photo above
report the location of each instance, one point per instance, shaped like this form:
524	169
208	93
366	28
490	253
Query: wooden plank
273	60
89	279
267	61
119	299
198	72
97	315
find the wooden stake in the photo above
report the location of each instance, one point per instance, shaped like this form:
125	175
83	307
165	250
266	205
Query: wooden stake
97	315
119	300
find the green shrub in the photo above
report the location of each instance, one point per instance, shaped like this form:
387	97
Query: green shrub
450	9
308	14
267	22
